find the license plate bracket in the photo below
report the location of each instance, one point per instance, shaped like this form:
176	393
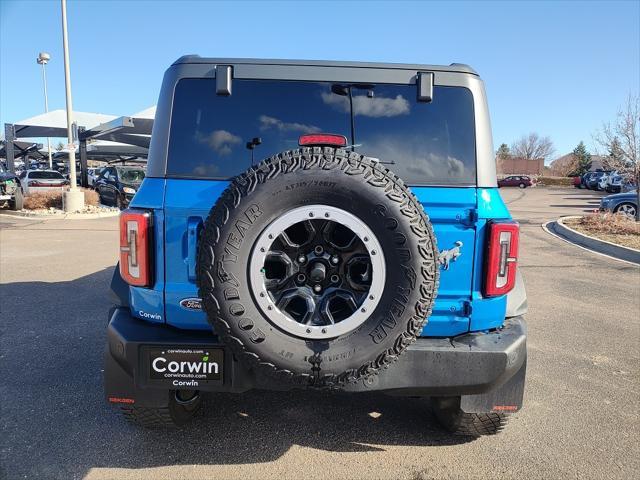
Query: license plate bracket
183	367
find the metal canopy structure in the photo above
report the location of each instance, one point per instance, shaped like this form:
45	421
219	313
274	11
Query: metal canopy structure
22	150
117	137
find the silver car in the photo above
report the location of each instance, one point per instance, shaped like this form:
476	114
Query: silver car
32	181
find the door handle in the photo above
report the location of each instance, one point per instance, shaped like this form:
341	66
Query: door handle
194	224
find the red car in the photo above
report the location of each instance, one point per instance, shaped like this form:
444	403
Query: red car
521	181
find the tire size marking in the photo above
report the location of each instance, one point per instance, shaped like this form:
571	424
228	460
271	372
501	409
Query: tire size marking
330	358
311	183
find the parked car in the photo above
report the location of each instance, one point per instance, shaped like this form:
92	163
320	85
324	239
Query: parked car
93	174
10	193
521	181
626	203
604	180
614	183
587	179
32	181
116	186
594	179
317	268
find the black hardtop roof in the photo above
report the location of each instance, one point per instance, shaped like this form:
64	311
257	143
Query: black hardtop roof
197	59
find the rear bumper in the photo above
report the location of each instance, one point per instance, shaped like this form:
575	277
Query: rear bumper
483	366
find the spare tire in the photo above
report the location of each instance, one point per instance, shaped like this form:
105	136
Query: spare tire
317	267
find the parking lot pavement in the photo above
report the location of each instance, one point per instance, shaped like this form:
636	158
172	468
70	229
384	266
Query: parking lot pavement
580	417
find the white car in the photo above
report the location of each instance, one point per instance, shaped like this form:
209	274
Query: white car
602	183
93	174
32	181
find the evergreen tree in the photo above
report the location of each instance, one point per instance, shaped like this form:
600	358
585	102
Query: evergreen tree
582	158
503	152
616	154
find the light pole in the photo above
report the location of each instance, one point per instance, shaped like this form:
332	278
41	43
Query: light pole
73	199
43	59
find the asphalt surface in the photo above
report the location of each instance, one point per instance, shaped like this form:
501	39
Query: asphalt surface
580	417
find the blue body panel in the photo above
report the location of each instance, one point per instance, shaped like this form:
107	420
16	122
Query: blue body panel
452	213
187	202
148	303
457	214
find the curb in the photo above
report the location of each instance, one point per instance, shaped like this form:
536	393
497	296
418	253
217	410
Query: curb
68	216
596	245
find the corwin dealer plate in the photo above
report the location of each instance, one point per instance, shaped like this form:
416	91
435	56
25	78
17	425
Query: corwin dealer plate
184	367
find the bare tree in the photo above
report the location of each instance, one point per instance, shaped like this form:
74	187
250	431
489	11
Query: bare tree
563	166
532	147
621	142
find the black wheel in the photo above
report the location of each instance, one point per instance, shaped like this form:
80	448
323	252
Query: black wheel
318	267
447	411
119	202
181	406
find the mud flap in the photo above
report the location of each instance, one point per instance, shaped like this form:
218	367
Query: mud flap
507	398
120	388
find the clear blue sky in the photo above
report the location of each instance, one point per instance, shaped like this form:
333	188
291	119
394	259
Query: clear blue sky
558	68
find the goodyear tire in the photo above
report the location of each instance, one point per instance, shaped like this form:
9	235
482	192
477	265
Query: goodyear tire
354	313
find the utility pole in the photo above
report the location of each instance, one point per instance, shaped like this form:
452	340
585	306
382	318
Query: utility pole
43	59
73	198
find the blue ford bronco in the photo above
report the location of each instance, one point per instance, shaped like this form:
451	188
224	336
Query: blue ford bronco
318	225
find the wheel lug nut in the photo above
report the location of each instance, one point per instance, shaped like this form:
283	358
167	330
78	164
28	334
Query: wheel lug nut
302	259
318	249
335	259
335	278
301	277
317	288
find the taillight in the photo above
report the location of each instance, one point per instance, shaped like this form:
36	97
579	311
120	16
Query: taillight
135	247
330	139
502	258
36	183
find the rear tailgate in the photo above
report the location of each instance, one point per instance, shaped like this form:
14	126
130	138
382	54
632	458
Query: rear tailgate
452	212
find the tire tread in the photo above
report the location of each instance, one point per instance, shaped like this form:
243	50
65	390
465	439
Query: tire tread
349	163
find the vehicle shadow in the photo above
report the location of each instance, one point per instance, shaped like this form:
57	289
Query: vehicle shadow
56	423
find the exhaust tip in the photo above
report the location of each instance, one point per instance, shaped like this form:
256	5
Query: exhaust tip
187	397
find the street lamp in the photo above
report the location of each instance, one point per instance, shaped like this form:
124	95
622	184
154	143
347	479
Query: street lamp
73	199
43	59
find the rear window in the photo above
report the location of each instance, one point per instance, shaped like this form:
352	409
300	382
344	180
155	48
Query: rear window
133	175
46	175
424	143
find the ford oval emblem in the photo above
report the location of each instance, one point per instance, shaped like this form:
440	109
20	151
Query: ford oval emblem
191	303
